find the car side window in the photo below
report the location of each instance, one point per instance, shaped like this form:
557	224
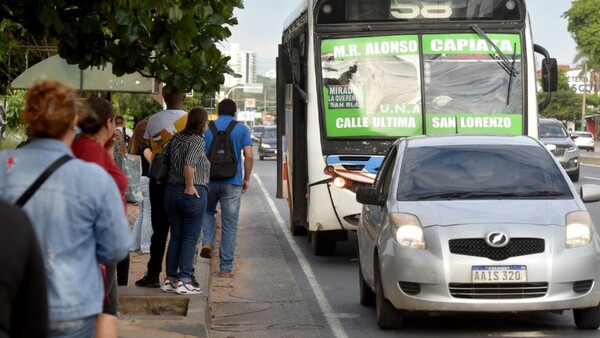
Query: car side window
384	178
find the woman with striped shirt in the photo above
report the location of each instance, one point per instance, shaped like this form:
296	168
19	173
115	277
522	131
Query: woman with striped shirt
185	201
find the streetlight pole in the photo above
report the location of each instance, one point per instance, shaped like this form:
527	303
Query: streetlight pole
585	81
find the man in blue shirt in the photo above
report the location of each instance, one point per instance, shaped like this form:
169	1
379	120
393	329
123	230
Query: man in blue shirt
227	191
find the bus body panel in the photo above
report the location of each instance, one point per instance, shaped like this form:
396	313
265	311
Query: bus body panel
306	176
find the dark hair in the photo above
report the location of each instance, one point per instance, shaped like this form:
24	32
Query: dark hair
49	110
93	119
174	99
138	136
119	120
196	121
227	107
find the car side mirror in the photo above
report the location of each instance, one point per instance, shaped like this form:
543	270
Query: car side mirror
590	193
370	195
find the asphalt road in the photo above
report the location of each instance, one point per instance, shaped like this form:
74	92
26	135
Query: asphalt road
329	286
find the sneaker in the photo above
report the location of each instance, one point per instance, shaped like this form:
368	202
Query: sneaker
187	289
195	281
168	286
206	250
148	282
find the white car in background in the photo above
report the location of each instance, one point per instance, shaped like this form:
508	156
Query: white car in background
585	140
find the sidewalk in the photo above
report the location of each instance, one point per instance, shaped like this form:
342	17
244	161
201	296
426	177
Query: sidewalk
151	313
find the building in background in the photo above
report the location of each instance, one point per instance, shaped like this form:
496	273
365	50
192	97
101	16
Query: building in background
242	63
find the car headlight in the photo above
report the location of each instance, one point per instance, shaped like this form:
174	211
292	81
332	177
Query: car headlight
579	229
407	231
572	148
265	145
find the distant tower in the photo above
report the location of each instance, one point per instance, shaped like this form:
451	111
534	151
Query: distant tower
242	63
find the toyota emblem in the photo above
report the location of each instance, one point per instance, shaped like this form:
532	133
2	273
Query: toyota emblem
497	239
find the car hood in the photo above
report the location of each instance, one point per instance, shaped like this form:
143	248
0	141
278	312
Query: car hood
269	141
461	212
557	140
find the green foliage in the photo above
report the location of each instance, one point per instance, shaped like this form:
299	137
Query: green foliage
134	107
15	104
173	41
584	25
565	104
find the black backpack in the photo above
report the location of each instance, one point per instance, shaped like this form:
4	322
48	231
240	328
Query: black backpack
221	154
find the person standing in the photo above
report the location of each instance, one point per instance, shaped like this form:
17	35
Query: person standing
77	213
142	230
185	201
228	191
160	129
23	295
95	144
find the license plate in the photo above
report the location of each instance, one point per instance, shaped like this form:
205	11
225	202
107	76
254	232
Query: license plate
498	274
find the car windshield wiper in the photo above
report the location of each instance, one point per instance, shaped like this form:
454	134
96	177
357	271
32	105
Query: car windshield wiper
465	194
498	194
541	193
509	67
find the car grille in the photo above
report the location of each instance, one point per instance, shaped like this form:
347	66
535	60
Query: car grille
479	248
498	291
559	151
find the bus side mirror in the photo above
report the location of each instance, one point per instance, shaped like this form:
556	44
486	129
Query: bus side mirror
549	75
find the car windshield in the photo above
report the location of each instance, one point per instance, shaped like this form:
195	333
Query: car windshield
483	172
552	130
258	130
269	133
583	135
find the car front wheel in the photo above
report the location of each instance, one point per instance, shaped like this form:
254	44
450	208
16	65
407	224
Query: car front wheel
387	315
367	296
587	319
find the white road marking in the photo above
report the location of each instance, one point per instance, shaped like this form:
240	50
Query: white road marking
334	323
592	178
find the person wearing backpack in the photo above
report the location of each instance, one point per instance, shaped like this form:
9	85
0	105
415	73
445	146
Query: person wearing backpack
222	188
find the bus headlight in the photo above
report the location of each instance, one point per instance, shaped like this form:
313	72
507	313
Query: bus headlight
579	229
339	182
407	231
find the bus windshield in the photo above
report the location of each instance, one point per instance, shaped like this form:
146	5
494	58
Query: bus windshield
406	85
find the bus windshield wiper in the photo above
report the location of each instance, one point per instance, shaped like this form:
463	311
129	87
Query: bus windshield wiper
504	62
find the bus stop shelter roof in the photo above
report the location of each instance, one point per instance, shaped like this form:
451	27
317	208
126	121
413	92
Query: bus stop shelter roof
92	79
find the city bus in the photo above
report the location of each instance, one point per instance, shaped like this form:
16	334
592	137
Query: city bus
355	75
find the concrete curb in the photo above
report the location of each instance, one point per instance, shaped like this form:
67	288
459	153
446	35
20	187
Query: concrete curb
196	322
589	159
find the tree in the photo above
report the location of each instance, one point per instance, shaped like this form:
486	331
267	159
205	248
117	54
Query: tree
173	41
584	27
565	104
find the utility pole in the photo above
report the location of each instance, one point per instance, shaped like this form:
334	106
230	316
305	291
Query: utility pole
585	82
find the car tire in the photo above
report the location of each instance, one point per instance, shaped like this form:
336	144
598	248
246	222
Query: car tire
367	296
587	319
261	157
574	176
387	315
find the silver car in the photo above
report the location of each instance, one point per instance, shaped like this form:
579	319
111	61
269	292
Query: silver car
477	224
556	138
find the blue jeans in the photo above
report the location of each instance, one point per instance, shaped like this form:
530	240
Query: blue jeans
76	328
230	197
142	230
184	213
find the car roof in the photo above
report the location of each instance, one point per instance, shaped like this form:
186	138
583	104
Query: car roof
449	140
582	132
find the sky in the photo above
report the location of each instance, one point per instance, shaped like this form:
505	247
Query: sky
260	24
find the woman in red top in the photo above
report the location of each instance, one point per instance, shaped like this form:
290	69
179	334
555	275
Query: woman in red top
95	144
